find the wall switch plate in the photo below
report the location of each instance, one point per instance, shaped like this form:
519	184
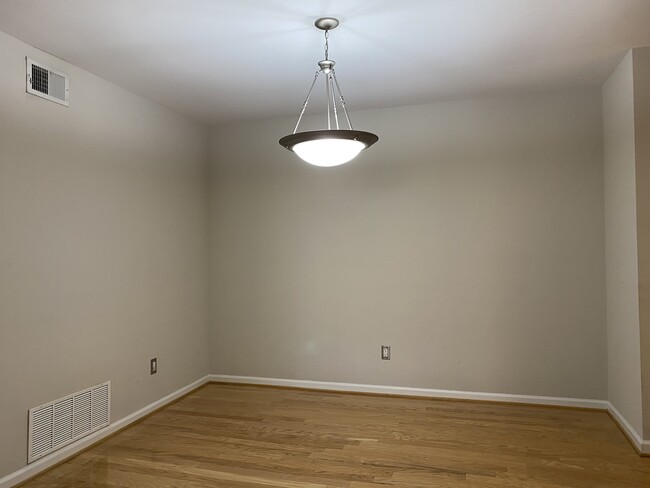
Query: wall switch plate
153	366
385	352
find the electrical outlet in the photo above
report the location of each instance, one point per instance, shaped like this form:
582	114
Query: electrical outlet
385	352
153	366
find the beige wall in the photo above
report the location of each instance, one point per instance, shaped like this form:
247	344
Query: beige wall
623	352
470	238
642	146
103	246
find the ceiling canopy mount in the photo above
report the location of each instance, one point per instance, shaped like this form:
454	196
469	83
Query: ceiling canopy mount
327	23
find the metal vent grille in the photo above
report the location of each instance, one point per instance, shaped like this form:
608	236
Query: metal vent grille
39	79
47	83
58	423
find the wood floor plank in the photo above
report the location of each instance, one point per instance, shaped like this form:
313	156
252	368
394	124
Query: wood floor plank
242	436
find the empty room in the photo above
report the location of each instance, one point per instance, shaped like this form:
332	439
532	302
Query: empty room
325	243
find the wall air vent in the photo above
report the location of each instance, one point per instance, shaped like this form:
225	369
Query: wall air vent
58	423
47	83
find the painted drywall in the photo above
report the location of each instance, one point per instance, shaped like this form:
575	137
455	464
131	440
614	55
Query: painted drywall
103	246
623	351
641	59
470	238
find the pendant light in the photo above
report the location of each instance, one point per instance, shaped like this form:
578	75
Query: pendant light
332	146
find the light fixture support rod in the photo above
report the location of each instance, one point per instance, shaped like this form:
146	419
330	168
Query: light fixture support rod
345	110
304	105
336	113
328	99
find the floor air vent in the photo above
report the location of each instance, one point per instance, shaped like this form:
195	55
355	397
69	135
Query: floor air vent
58	423
47	83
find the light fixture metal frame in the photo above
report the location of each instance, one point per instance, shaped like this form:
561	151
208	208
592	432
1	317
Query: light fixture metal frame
367	138
332	87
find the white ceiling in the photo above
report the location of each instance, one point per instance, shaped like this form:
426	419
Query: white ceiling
220	60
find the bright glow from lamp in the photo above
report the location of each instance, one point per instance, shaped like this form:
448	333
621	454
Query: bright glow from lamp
333	146
328	152
328	147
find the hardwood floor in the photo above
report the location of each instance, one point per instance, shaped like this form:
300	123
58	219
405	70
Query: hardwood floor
248	436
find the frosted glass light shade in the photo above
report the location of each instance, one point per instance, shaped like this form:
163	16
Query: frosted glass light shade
328	147
328	152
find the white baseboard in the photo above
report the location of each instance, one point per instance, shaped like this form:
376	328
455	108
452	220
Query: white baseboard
641	445
422	392
71	449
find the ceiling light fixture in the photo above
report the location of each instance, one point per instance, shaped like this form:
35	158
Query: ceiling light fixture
333	146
